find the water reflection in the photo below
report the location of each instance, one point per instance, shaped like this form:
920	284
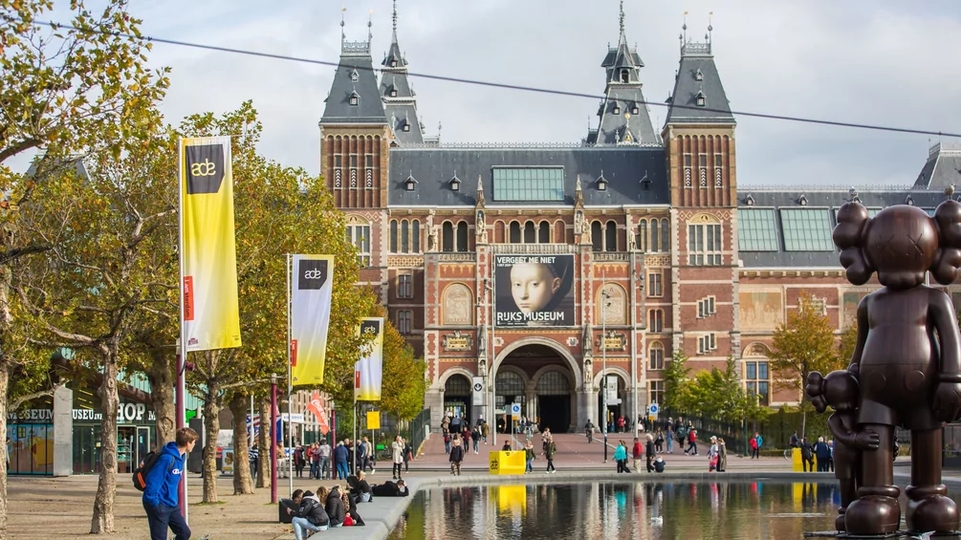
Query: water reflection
622	511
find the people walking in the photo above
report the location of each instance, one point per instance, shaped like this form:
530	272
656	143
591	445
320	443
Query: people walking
456	457
322	458
712	455
589	429
669	438
530	455
758	443
721	455
620	457
651	452
692	441
161	495
637	452
549	450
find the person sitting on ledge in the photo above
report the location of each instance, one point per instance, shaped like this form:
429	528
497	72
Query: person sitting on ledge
507	446
359	488
391	489
659	464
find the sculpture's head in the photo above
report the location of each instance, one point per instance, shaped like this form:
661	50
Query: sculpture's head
901	243
838	389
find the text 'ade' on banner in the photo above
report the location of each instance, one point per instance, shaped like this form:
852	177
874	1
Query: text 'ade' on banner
208	259
368	371
310	300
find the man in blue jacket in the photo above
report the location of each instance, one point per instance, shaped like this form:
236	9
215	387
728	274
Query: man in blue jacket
161	497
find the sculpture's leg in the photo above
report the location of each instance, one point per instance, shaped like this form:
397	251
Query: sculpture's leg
849	492
929	509
876	511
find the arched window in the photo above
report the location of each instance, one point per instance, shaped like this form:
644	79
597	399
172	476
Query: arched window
656	356
405	236
655	236
529	233
553	383
515	233
610	238
509	384
415	236
447	237
597	238
462	236
392	241
544	233
665	235
642	236
500	232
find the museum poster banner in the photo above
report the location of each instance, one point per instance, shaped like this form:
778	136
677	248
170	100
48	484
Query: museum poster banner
368	372
534	290
208	264
312	287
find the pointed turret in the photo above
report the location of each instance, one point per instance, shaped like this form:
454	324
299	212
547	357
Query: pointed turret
624	119
353	94
398	96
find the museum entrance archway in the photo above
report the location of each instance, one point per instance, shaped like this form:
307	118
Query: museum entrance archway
457	397
617	396
540	381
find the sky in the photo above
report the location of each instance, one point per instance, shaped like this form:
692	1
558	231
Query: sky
882	62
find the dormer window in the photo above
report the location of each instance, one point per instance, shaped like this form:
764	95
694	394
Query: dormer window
625	76
406	127
645	184
803	201
616	109
354	75
749	200
909	201
454	183
393	92
853	192
698	76
410	183
393	63
354	98
601	182
700	100
635	110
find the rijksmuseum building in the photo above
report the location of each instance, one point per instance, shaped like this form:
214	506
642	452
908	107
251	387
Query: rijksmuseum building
525	273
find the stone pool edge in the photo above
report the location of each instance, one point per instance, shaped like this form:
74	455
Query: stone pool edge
380	526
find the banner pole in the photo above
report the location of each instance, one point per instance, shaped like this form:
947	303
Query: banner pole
290	395
180	409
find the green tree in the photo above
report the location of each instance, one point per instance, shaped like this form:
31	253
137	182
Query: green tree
676	394
718	394
802	344
62	91
279	211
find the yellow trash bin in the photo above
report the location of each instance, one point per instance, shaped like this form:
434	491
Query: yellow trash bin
513	462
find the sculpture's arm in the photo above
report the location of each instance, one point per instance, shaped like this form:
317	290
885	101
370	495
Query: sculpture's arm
864	440
855	365
841	433
945	321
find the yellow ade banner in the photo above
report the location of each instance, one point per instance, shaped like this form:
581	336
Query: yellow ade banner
312	284
208	259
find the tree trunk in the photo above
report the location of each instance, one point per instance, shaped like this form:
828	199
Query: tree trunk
162	382
212	427
263	445
4	379
102	521
243	485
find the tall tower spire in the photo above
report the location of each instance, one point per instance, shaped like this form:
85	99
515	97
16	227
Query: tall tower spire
622	36
397	94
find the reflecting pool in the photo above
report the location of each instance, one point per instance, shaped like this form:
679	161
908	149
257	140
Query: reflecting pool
721	510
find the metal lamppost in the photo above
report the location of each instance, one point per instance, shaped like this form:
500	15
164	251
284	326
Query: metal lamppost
492	357
604	361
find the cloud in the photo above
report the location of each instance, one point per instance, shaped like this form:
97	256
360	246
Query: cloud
872	62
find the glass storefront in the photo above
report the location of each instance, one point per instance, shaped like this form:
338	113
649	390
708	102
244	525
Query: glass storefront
30	449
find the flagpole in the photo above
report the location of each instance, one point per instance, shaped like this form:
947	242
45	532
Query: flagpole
290	395
180	410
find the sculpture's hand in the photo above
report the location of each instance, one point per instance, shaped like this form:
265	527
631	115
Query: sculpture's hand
947	401
867	440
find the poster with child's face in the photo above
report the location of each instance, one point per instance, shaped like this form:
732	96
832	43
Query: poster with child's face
534	290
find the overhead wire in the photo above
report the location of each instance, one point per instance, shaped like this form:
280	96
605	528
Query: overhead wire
500	85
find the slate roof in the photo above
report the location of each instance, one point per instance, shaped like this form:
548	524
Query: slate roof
354	59
624	168
397	94
615	127
697	74
818	197
942	169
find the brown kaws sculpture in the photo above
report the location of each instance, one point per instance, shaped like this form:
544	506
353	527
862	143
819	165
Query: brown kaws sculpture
907	359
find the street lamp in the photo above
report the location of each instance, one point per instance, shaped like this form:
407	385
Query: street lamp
489	287
604	305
